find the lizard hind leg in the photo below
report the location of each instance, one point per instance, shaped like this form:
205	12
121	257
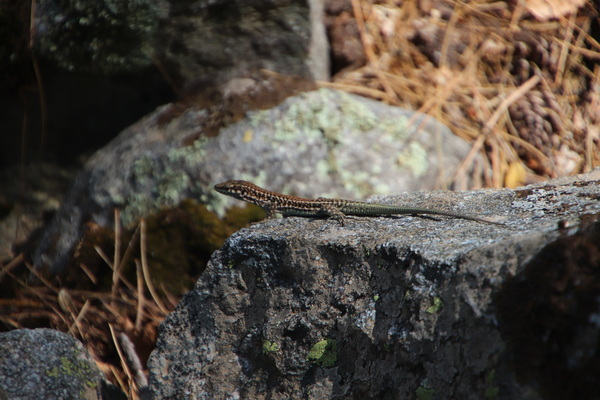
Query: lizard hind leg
332	212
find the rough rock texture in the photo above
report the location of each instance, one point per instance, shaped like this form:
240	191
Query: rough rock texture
190	40
212	40
104	36
48	364
407	307
318	143
24	196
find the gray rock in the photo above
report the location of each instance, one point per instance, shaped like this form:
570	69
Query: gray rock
25	195
102	37
406	307
219	39
48	364
191	40
319	143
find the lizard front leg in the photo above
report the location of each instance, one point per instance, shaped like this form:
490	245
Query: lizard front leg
271	211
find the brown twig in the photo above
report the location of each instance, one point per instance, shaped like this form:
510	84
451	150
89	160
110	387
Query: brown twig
117	252
140	296
146	271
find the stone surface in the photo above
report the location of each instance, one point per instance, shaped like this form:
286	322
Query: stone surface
190	40
25	195
406	307
101	37
48	364
206	41
318	143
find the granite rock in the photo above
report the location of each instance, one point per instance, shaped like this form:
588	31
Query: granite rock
407	307
48	364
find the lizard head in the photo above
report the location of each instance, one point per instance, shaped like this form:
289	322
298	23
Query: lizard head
241	190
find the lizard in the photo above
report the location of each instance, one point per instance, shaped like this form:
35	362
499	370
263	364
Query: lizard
336	209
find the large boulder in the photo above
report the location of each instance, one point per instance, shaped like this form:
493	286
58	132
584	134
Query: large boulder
406	307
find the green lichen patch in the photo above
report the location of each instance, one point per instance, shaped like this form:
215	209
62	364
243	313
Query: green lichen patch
424	393
169	181
339	120
436	306
320	114
73	368
414	158
269	347
491	390
324	353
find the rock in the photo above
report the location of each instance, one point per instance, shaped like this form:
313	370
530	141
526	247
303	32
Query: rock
407	307
218	40
101	37
48	364
191	41
318	143
25	195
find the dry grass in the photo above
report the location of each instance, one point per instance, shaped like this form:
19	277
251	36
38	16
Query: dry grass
524	92
117	326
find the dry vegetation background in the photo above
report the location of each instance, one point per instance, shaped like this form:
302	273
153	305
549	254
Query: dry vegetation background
517	79
520	80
